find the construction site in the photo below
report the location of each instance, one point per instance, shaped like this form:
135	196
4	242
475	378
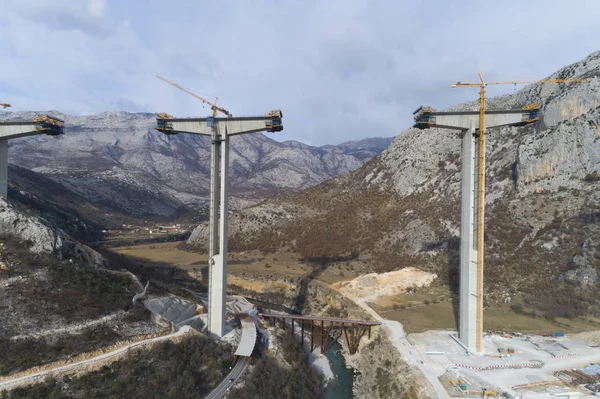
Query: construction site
467	363
512	365
507	364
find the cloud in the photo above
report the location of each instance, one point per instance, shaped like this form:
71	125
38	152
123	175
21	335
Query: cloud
97	8
340	70
84	15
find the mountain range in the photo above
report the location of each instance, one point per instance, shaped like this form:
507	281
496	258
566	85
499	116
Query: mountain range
117	160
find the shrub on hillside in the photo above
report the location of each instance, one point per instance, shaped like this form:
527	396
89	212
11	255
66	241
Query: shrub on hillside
592	177
270	379
189	369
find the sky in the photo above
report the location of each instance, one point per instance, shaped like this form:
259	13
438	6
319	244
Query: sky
339	70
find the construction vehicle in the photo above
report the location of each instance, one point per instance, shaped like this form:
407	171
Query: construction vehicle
48	119
274	124
162	121
481	176
275	113
213	106
49	124
423	116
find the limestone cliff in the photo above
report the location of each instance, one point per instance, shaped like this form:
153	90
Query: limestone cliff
44	238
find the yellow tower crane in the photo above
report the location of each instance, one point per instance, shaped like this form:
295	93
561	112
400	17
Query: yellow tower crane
213	106
4	105
481	182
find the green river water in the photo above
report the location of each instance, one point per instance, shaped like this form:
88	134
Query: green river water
341	387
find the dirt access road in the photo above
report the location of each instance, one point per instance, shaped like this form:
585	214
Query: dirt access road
370	287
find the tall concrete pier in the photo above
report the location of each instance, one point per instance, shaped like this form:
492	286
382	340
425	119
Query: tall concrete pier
471	271
220	130
15	129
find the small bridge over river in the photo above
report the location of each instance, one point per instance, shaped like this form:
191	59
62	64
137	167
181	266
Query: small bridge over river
353	330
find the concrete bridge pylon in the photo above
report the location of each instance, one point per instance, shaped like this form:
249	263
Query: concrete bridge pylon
220	130
470	327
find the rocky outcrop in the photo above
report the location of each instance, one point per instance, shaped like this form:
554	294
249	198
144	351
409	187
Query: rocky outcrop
380	372
43	238
584	272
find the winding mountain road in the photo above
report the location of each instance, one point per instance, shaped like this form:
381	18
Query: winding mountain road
10	383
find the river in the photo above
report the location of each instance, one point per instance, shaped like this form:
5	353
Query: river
341	386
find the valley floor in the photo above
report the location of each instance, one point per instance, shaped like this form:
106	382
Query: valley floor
430	308
428	316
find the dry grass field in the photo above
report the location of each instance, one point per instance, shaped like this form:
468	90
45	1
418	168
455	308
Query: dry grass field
247	263
425	311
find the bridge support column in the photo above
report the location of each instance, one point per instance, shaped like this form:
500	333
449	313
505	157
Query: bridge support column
468	244
472	203
214	300
322	337
218	226
4	168
292	329
219	129
312	334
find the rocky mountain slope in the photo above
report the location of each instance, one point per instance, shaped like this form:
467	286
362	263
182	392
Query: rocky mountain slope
57	299
79	217
43	238
402	208
118	160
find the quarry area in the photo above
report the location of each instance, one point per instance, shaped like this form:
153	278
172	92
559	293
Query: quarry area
373	286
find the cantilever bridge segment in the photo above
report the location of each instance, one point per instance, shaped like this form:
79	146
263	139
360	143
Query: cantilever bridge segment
472	209
353	330
219	130
42	124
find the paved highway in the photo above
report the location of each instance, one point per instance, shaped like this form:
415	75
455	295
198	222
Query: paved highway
236	372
